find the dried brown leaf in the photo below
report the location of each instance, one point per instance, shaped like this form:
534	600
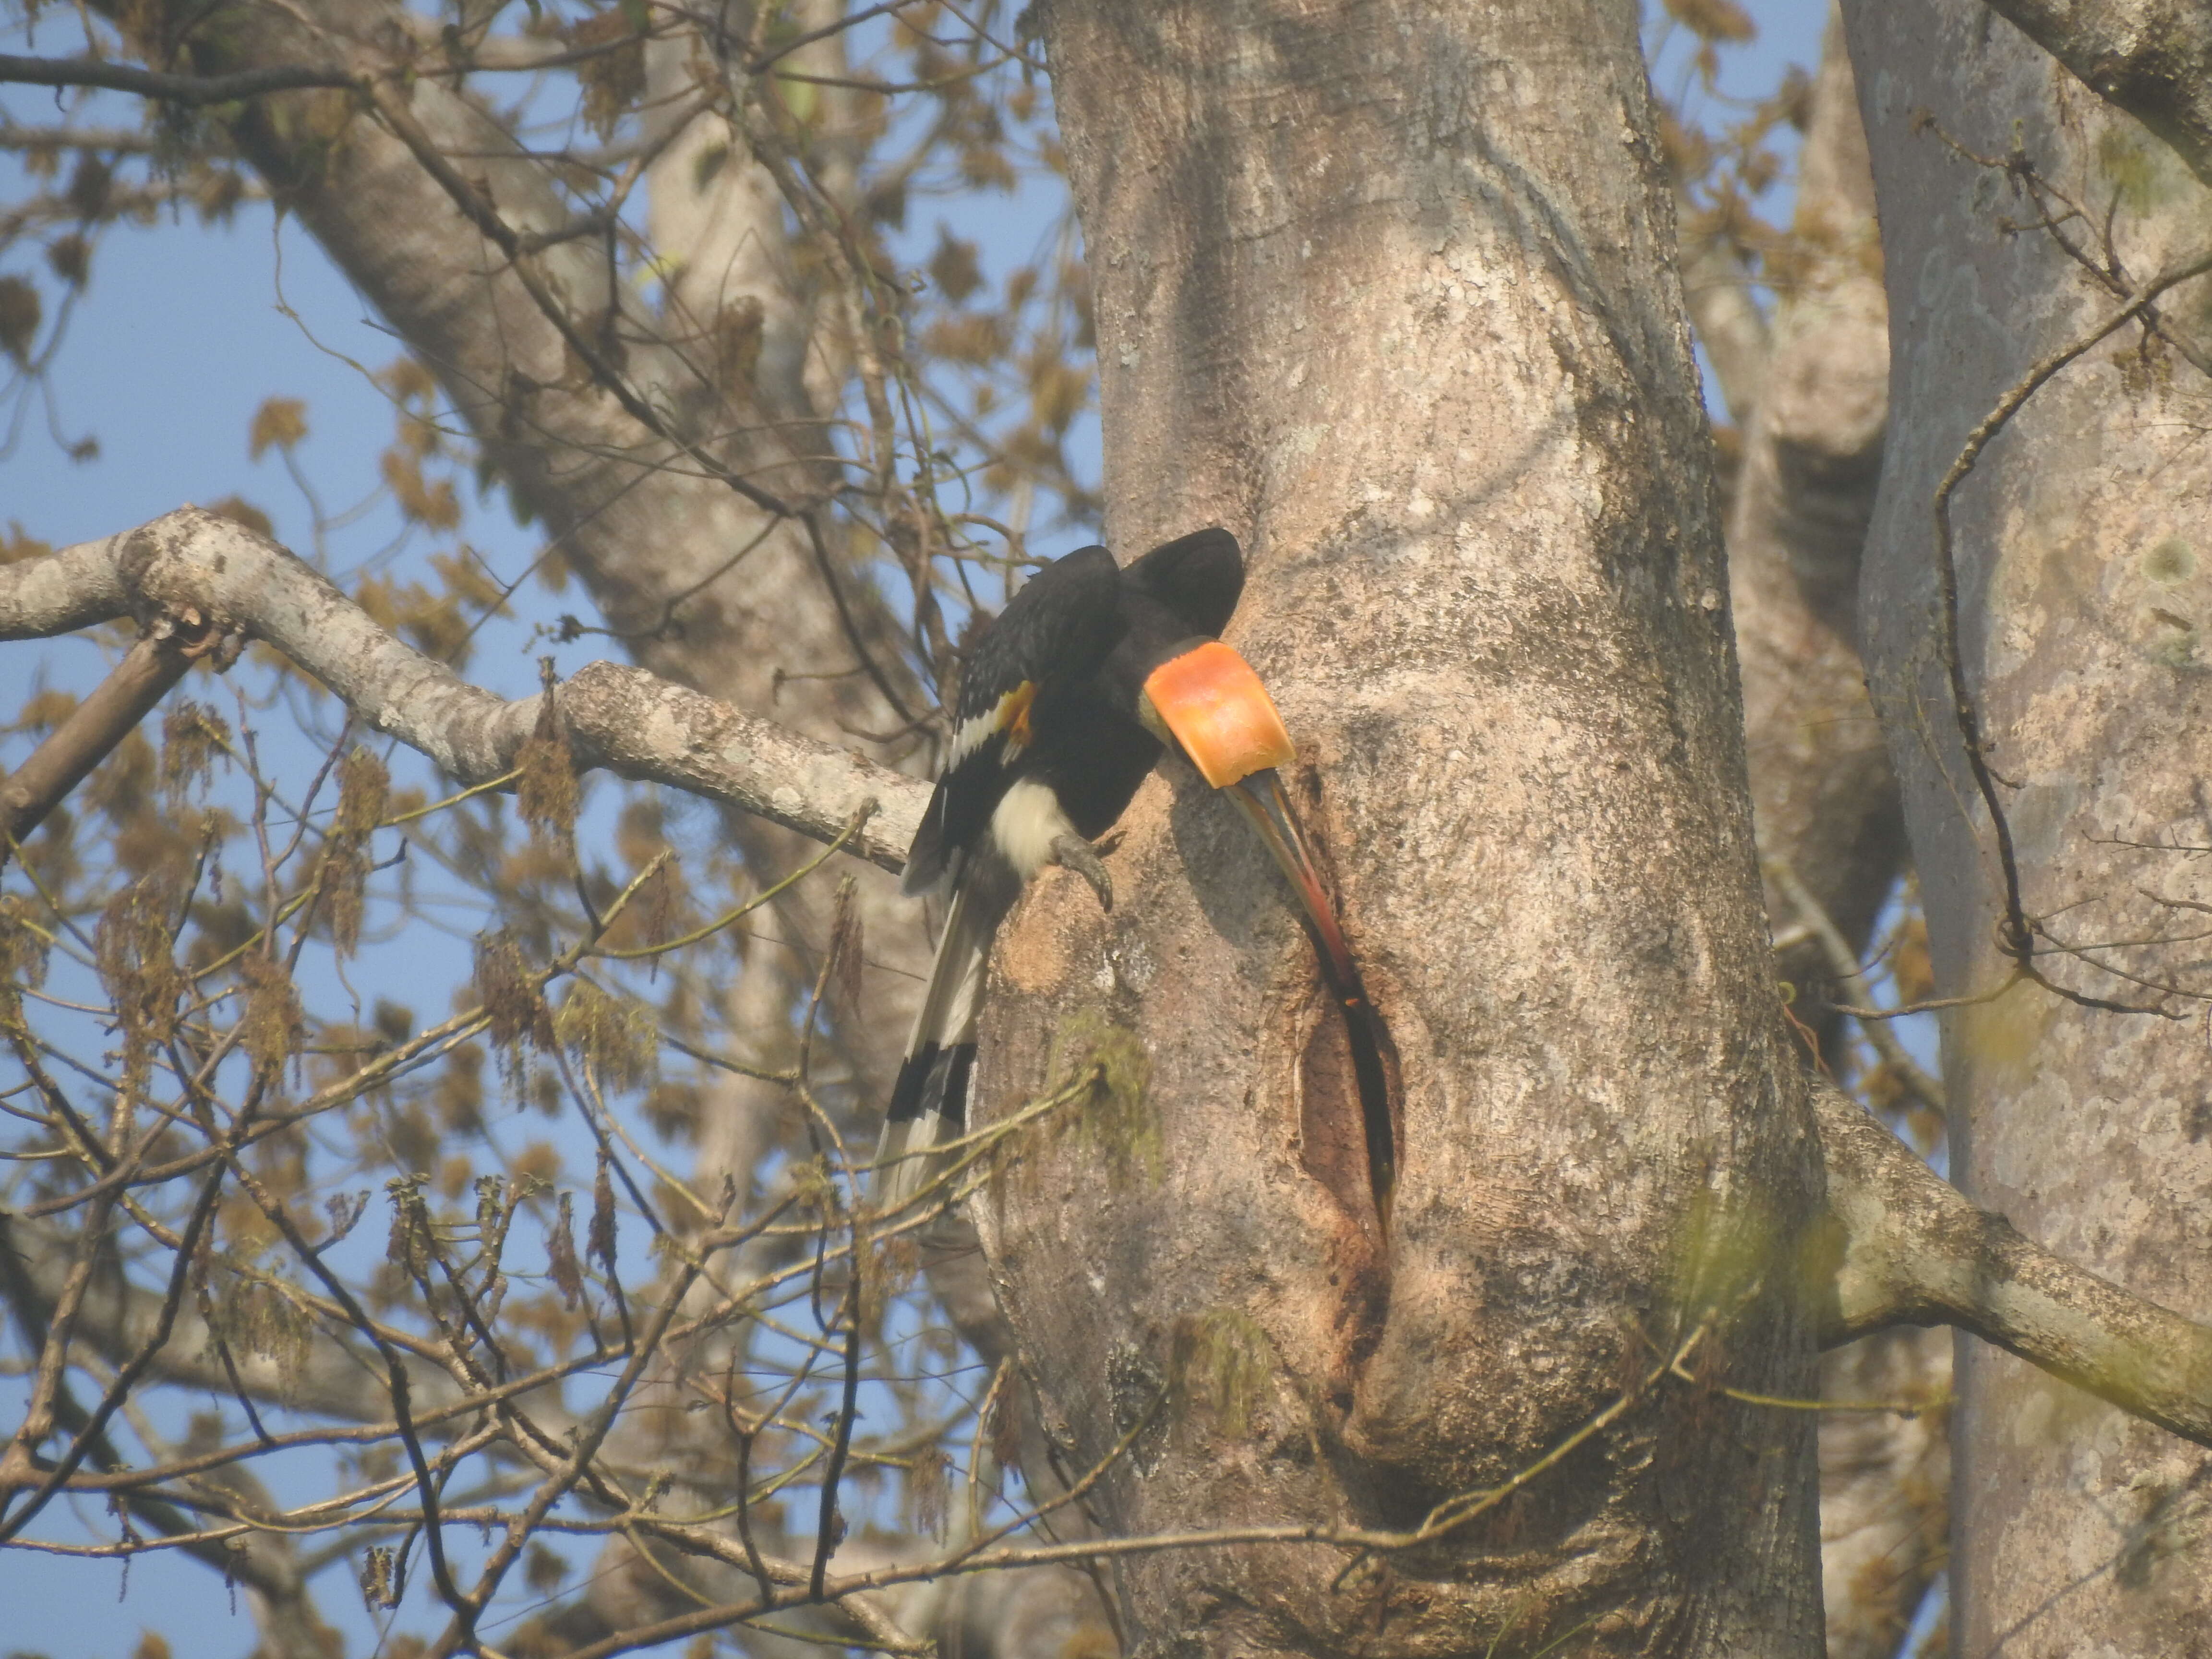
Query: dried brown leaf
509	996
364	787
927	1489
21	312
544	1570
239	511
1714	19
279	423
613	80
132	952
409	1246
193	738
561	1255
90	187
23	952
70	258
546	791
954	267
270	1029
738	327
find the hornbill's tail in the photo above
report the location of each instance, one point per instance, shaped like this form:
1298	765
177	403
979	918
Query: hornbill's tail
929	1102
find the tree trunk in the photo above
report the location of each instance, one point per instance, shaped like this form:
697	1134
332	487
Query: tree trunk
1825	800
1370	294
2082	584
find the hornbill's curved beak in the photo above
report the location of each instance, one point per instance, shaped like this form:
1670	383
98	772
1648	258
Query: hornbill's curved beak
1217	710
1212	703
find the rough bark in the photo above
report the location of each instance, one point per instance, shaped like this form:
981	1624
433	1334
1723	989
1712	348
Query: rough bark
2079	563
2151	59
1413	336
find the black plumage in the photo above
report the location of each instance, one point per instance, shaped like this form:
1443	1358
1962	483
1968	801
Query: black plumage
1048	748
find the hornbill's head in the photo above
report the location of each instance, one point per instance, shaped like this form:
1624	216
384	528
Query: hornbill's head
1198	696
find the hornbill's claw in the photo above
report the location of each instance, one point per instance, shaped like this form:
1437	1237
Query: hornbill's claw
1074	852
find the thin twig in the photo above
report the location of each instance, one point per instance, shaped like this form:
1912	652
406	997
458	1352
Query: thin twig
2016	934
1851	980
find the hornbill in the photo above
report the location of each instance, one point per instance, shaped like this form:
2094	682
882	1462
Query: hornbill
1069	696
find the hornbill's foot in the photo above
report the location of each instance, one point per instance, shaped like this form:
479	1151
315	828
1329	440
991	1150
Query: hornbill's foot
1074	852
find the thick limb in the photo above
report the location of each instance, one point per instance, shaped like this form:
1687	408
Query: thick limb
1914	1250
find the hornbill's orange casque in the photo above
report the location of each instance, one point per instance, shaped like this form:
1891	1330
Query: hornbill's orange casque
1069	696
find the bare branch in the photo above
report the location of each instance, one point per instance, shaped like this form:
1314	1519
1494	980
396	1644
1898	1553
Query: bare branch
190	89
1716	288
1851	981
2015	933
95	725
627	720
1915	1251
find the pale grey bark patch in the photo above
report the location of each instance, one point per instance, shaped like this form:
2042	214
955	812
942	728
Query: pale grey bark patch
2075	1123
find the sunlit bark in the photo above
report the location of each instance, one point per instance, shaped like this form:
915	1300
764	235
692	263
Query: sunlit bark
1414	337
2080	589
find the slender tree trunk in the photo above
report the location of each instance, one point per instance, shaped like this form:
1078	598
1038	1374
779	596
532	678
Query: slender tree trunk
1387	288
1825	798
2082	585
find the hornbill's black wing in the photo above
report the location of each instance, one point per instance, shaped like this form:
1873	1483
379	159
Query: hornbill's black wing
1028	674
1199	577
1053	633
